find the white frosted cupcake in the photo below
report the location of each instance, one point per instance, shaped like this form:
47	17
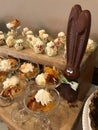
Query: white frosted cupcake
10	41
60	41
38	46
19	44
40	100
28	70
50	76
51	49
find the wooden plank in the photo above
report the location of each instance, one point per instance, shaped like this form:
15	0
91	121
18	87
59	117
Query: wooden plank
58	61
28	54
63	118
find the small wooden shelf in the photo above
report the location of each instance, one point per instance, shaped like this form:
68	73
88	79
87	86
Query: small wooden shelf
58	61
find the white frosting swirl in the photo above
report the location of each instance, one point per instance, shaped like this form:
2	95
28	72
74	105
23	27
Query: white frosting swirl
19	41
43	97
27	67
41	79
38	46
14	80
51	49
61	34
5	65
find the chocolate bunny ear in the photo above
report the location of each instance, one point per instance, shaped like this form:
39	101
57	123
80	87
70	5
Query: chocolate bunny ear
76	10
83	30
77	36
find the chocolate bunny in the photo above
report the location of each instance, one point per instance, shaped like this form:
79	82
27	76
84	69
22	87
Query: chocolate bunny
77	37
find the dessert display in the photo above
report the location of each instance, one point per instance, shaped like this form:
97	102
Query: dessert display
41	43
12	87
12	34
42	100
50	76
28	70
44	44
93	114
73	45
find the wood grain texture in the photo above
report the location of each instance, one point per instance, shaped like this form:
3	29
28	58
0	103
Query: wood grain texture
63	118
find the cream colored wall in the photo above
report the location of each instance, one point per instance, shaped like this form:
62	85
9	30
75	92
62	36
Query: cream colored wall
48	14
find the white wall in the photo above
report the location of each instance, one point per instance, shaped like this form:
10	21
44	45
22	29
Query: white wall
48	14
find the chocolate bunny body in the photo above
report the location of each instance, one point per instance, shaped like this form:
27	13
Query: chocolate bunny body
77	37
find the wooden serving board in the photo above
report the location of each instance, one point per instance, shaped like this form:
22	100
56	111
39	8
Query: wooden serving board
63	118
58	61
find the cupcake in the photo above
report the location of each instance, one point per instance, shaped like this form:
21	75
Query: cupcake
7	65
10	87
26	29
10	41
38	47
13	87
50	76
51	49
60	41
19	44
40	100
28	70
44	36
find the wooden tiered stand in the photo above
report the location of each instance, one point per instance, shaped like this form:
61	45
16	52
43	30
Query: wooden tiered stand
65	116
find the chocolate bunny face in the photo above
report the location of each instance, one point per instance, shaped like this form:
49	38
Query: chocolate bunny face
78	30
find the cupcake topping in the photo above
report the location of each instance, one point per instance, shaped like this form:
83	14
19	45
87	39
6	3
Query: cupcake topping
26	67
43	97
13	81
5	65
41	79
